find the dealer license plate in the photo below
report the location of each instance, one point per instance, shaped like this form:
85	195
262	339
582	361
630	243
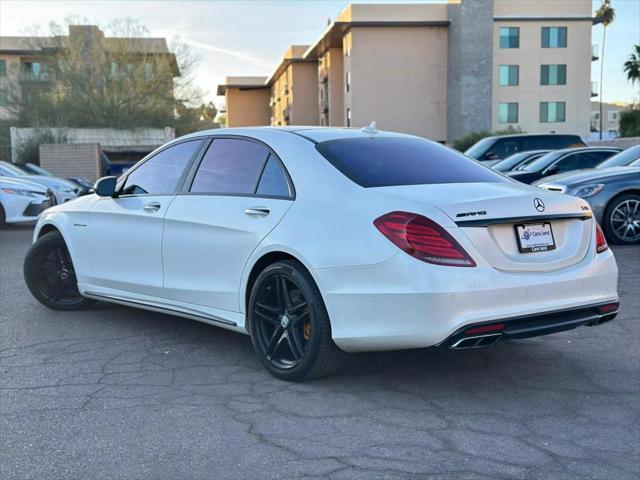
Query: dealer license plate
535	237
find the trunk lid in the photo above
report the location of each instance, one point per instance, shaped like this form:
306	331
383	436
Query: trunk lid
488	213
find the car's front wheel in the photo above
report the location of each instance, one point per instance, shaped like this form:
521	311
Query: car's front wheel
289	324
50	276
622	220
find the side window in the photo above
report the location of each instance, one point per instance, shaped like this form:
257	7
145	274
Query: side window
230	166
161	173
506	147
570	162
273	181
596	158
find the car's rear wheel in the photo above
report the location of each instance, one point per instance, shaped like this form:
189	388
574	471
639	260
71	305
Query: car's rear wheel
622	220
289	324
3	217
50	276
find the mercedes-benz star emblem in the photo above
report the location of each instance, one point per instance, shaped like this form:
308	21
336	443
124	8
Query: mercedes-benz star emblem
539	204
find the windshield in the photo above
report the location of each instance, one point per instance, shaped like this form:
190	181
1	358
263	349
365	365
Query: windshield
388	161
11	170
512	161
39	170
538	164
623	158
479	148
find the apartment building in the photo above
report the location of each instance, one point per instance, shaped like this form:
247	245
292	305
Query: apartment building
611	118
26	63
436	70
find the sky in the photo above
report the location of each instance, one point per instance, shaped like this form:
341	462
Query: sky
249	37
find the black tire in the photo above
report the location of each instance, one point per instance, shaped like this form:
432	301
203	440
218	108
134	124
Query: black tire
50	276
3	217
298	330
615	221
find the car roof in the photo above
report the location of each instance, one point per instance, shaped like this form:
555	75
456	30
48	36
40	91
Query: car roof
312	133
563	151
518	135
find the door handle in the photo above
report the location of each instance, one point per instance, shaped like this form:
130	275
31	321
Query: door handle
152	207
263	211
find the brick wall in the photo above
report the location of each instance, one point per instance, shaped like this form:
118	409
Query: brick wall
72	159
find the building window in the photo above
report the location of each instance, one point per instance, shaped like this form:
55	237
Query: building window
554	37
509	75
4	98
613	116
552	112
348	81
507	113
348	117
3	68
553	74
509	37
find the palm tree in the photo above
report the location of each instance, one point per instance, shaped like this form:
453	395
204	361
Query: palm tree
604	15
632	66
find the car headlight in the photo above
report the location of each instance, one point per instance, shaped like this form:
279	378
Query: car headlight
588	190
24	193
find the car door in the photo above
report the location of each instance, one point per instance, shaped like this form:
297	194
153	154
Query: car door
125	233
239	192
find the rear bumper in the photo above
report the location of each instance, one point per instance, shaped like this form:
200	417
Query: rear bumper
487	334
404	303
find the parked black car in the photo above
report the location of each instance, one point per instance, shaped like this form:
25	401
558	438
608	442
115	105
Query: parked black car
502	146
561	161
517	159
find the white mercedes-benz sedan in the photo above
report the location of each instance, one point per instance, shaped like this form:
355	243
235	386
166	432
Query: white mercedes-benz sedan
320	241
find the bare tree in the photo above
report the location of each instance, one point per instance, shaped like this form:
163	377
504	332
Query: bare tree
113	76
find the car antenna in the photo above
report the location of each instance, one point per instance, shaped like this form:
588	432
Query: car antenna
370	129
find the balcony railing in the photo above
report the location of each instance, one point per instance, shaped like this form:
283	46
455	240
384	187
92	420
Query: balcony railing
595	53
594	89
27	76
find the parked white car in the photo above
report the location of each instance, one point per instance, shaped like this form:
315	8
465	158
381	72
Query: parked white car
22	201
320	241
64	190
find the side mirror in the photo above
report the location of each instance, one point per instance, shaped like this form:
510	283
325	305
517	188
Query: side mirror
105	187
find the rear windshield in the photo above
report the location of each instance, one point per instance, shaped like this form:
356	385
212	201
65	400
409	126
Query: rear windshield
388	161
626	157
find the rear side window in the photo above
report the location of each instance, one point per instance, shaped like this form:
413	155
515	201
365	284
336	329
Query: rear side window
273	181
161	173
385	161
230	166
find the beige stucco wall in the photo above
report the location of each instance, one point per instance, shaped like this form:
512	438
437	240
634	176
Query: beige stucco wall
330	67
529	93
247	107
541	8
398	78
282	98
304	86
9	84
393	12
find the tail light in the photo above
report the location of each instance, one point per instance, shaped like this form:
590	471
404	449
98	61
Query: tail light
601	242
423	239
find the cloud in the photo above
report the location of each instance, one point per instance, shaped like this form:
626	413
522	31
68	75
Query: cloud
238	54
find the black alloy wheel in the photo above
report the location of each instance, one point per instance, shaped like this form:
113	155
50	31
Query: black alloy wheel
289	324
622	220
50	276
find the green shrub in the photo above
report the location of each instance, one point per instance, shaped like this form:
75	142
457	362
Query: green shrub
463	143
630	123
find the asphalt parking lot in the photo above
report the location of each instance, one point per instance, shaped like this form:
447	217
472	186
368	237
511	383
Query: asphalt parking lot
114	392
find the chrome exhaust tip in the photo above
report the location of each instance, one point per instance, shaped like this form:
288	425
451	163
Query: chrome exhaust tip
477	341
